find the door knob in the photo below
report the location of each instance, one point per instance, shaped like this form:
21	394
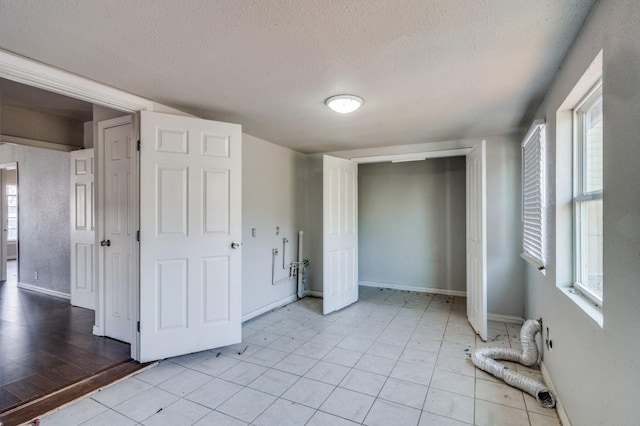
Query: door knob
105	243
235	245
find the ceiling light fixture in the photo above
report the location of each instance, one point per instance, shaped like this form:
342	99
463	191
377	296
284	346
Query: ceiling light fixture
344	104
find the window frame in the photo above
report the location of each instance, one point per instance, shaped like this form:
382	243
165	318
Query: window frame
580	195
9	228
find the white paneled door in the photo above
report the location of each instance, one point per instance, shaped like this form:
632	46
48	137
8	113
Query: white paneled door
476	240
340	233
82	229
116	245
190	239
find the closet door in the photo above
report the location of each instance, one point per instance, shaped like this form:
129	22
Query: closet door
476	241
340	233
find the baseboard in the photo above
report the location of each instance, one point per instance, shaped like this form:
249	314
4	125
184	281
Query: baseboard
270	307
98	331
44	291
562	414
413	288
510	319
313	293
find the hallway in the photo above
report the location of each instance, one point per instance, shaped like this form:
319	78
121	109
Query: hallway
46	344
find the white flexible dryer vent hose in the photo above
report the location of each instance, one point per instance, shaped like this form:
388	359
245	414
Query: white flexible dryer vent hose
485	358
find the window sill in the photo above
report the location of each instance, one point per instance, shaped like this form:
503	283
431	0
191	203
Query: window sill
594	312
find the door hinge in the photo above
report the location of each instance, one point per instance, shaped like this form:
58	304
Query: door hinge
138	326
138	144
138	236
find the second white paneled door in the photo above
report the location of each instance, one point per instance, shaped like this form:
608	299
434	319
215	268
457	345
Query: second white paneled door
116	245
340	233
83	234
476	240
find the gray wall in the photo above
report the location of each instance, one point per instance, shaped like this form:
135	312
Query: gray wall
505	268
312	249
43	215
411	224
595	369
272	189
29	124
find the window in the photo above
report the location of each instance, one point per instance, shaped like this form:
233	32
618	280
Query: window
587	195
533	196
12	216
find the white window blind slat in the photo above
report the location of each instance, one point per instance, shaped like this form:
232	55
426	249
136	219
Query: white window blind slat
533	196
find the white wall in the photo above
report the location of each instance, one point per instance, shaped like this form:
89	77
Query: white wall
505	292
272	190
411	224
596	370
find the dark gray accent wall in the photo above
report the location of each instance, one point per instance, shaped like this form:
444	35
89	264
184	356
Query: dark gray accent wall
411	223
43	216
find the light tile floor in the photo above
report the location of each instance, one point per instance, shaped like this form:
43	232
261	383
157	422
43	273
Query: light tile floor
393	358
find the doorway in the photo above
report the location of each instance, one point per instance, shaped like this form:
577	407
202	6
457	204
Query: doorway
190	171
337	200
412	225
45	343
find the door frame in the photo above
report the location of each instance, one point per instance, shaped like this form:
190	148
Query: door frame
99	271
443	153
35	74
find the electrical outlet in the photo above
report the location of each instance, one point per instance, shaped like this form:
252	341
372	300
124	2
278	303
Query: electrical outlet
277	230
35	275
253	232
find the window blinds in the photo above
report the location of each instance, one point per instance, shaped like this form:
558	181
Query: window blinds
533	195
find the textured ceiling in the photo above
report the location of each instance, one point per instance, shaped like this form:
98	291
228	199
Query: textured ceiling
427	70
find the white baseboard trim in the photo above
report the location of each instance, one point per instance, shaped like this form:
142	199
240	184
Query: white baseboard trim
413	288
272	306
509	319
44	291
313	293
562	414
98	331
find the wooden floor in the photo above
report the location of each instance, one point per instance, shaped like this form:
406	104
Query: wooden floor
46	344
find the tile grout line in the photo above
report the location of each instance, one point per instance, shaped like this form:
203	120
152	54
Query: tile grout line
398	360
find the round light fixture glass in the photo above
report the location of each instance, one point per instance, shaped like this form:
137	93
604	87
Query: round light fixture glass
344	104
